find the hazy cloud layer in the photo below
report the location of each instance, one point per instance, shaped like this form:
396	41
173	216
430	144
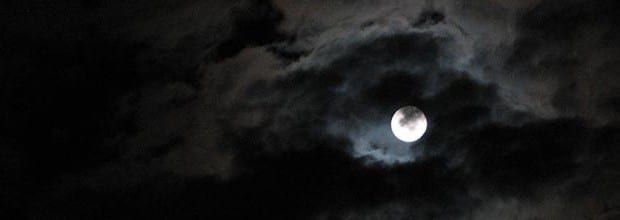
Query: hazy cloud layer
281	109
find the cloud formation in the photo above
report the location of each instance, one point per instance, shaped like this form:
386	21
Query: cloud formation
281	109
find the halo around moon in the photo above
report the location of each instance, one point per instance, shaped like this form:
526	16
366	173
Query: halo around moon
409	124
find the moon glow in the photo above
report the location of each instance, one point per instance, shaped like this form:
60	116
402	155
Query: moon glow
409	124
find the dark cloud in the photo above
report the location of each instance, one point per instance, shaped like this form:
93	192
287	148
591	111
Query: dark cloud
526	155
569	46
430	17
254	23
409	114
281	109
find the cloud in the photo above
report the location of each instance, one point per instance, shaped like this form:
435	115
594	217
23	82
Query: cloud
561	50
254	108
113	94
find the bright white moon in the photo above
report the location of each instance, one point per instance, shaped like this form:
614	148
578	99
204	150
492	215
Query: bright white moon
409	124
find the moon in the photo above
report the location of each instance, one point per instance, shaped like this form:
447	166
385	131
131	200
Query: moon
409	124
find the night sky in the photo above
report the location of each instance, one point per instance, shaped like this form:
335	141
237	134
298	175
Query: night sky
258	109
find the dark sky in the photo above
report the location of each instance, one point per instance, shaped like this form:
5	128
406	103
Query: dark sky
257	109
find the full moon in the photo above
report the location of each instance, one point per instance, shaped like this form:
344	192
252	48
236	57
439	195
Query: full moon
409	124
